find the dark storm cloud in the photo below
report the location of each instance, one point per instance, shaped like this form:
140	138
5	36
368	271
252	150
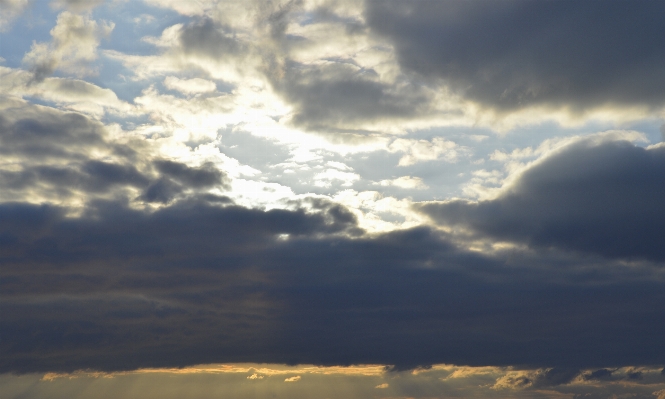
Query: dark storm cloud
192	283
517	53
606	198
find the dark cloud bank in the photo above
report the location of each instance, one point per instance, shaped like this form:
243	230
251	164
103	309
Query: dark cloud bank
517	53
196	282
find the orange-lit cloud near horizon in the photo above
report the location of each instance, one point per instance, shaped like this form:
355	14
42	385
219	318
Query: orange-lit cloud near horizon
358	381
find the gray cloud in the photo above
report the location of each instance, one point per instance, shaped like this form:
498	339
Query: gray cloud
598	375
193	282
605	198
554	376
41	132
90	177
206	38
340	95
205	176
176	177
113	283
278	20
201	280
513	54
52	154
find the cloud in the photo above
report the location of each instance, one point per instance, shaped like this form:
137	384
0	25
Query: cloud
406	182
208	39
598	375
333	175
535	379
74	46
66	157
203	47
71	94
312	79
205	176
516	380
339	95
424	150
382	386
293	379
511	55
10	10
189	86
41	133
171	383
594	195
127	241
76	5
117	288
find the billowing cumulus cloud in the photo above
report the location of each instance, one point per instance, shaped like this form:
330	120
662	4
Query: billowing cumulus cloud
599	196
74	46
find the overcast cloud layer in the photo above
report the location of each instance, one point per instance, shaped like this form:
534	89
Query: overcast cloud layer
375	199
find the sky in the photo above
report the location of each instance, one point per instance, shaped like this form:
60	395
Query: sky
332	199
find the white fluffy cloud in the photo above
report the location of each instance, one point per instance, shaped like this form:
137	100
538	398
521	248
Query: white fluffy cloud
73	48
406	182
189	86
424	150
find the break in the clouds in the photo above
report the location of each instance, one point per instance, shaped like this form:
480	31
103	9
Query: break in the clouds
331	198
